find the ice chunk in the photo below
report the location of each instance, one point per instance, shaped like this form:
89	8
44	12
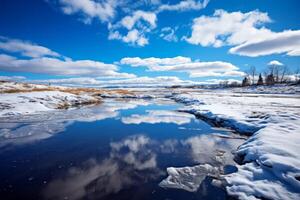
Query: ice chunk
188	178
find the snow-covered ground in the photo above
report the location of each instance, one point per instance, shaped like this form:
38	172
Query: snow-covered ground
9	86
271	156
275	89
25	98
33	102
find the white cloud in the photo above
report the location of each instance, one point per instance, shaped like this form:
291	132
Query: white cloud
137	62
285	42
184	6
246	32
130	21
72	81
218	81
56	66
135	37
39	62
138	23
136	27
185	64
275	62
104	10
25	48
168	34
12	78
225	28
143	81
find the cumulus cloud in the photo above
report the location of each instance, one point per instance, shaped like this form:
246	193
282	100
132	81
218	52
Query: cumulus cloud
225	28
143	81
285	42
25	48
184	5
246	32
130	21
56	66
275	62
168	34
89	9
134	28
185	64
40	62
140	16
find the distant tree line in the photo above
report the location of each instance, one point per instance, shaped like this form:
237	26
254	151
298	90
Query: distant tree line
273	74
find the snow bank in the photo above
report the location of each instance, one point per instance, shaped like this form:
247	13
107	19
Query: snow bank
274	156
219	114
32	102
271	155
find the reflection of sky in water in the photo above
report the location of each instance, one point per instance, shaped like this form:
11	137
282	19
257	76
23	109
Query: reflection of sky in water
113	150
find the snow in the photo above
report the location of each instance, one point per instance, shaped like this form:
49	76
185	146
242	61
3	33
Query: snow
275	89
32	102
10	85
271	156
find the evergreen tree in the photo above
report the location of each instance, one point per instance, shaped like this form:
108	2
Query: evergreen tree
260	80
245	82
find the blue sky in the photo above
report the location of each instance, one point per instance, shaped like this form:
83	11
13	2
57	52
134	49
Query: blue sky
93	42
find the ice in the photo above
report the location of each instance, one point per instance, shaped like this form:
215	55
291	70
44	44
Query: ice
188	178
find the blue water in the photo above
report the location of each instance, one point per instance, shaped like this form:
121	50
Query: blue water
116	150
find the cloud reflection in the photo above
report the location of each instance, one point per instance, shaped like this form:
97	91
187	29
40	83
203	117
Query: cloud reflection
28	129
159	116
131	161
207	148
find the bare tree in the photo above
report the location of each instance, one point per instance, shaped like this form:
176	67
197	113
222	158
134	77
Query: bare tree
297	75
252	73
276	71
284	71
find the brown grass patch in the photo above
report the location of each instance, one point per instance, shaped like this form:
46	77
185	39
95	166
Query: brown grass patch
27	90
76	91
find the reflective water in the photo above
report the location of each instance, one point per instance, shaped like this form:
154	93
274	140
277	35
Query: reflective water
116	150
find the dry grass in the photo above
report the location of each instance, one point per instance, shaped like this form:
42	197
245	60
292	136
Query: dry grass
27	90
76	91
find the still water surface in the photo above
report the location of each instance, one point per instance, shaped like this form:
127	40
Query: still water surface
116	150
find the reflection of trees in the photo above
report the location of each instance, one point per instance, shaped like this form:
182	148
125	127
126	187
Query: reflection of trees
131	161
